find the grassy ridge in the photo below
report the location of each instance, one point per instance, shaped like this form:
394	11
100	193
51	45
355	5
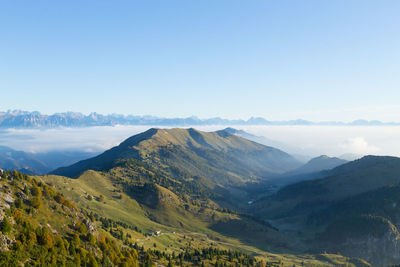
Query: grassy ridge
219	156
193	230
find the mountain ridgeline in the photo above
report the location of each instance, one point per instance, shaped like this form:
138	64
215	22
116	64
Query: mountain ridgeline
353	210
315	168
26	119
184	190
19	160
321	163
188	180
219	157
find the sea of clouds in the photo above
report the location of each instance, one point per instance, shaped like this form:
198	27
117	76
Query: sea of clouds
307	140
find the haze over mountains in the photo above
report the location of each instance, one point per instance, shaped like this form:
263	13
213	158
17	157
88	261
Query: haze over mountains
42	162
25	119
21	161
39	163
296	152
318	164
327	202
213	162
179	164
237	190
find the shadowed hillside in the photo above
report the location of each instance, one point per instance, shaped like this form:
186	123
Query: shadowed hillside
370	220
11	159
318	164
353	210
350	179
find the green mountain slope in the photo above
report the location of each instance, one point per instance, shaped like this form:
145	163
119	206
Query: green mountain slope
221	157
353	210
370	220
214	165
186	226
179	182
152	207
350	179
39	226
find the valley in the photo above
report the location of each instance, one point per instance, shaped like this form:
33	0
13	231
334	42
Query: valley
183	190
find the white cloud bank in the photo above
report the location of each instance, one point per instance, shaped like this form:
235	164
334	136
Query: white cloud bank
308	140
358	145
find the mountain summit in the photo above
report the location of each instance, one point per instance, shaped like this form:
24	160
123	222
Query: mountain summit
218	156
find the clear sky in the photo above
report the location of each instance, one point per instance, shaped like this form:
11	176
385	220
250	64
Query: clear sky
318	60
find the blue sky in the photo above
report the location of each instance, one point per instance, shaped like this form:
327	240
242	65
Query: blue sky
318	60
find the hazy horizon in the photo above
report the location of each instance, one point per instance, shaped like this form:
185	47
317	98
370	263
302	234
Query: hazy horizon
306	140
314	60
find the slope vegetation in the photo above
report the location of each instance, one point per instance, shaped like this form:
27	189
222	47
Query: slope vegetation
353	210
157	219
350	179
221	157
370	220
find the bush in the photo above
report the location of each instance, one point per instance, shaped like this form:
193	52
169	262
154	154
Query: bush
46	239
36	191
59	199
5	226
36	202
18	216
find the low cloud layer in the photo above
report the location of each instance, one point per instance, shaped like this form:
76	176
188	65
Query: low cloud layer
358	145
308	140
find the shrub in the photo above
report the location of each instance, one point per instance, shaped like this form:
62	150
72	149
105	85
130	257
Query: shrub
59	199
36	202
17	215
5	226
36	191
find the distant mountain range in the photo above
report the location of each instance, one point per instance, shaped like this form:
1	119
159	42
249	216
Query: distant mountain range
25	119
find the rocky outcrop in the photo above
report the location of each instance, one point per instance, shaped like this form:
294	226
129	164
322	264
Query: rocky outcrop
5	242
